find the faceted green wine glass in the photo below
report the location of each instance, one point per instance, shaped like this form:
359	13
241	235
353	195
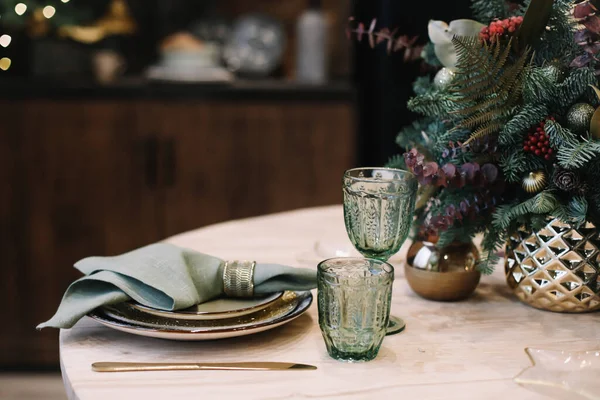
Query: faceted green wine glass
379	205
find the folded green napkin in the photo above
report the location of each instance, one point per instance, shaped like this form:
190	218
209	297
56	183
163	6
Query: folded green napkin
165	277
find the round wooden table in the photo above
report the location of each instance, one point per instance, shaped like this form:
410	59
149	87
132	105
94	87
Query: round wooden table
465	350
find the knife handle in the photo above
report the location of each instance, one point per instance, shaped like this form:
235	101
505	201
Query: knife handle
127	367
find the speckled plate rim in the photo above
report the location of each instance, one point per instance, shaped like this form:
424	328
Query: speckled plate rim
208	315
304	303
127	314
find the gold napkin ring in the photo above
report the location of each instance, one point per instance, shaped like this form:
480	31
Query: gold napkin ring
238	278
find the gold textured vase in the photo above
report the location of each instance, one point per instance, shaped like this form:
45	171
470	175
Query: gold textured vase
446	274
555	269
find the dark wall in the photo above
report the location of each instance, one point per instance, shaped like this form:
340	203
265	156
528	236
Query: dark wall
385	81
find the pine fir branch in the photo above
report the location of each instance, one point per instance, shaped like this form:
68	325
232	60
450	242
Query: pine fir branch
543	203
535	222
487	263
538	88
575	155
559	135
437	104
557	41
577	209
422	85
561	213
504	214
514	130
574	213
397	162
492	241
463	234
575	86
485	11
412	135
424	135
513	163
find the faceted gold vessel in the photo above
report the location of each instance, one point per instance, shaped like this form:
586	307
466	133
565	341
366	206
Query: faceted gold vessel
446	274
555	269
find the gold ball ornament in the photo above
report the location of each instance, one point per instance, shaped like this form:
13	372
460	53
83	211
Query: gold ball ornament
579	117
534	182
554	71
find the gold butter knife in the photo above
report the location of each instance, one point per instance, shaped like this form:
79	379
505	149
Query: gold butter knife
239	366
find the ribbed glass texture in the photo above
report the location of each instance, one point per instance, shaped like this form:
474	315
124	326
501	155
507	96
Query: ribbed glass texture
378	209
354	306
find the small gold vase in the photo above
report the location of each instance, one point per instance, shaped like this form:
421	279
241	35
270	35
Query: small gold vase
555	269
447	274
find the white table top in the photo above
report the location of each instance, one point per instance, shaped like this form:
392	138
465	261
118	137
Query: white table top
464	350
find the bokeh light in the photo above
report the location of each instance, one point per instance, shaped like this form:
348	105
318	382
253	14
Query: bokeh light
5	63
49	11
20	9
5	40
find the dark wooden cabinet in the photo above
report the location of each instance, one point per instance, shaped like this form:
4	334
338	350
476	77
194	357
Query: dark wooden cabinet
220	161
101	177
77	188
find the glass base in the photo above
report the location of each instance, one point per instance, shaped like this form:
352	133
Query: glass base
349	356
395	326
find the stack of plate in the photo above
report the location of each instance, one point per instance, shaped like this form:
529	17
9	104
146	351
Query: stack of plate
217	319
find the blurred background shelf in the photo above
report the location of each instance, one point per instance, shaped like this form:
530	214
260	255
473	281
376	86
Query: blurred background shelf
139	88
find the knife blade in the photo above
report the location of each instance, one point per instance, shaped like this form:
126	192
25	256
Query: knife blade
238	366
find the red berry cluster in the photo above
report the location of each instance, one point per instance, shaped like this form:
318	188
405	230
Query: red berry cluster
499	28
537	141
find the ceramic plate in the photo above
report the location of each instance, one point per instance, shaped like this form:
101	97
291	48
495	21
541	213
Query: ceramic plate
128	313
565	375
301	302
216	309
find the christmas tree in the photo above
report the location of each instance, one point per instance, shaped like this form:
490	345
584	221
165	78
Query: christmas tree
509	132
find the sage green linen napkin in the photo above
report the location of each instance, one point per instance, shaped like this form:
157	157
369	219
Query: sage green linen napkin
165	277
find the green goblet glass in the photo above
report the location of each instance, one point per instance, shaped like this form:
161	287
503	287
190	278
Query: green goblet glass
379	205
